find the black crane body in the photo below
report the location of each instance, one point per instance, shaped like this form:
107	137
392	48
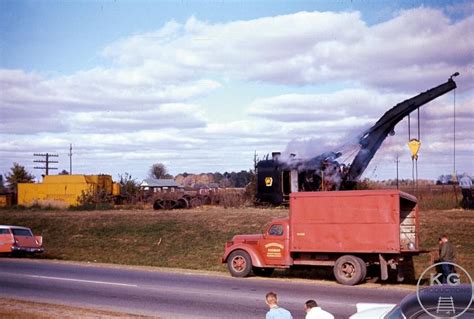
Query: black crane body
277	178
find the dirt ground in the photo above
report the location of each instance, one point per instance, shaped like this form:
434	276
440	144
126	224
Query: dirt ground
13	309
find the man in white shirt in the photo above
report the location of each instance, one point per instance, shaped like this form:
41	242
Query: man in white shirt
315	312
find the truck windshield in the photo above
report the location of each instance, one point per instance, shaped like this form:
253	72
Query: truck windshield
276	230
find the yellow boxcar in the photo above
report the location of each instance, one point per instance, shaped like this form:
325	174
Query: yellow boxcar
66	188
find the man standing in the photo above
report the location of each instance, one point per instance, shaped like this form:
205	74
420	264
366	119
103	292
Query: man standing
466	183
275	311
446	255
315	312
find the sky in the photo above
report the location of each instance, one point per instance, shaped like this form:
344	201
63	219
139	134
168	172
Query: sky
203	86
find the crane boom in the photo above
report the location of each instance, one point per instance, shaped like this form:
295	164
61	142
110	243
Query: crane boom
277	177
372	138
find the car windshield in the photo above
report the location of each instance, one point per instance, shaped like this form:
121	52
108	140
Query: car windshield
21	232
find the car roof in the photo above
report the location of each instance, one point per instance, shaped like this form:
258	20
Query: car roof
11	226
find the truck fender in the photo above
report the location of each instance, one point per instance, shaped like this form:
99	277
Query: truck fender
257	260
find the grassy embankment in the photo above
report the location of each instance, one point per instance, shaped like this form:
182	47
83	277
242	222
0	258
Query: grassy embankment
194	239
19	309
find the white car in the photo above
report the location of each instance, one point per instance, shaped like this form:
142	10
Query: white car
372	310
433	304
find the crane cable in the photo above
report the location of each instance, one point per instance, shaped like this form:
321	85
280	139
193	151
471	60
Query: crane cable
454	137
454	177
414	145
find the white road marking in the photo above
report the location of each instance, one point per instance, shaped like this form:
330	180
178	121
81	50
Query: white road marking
81	280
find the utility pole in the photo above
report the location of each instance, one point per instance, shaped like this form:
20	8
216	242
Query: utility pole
70	159
46	161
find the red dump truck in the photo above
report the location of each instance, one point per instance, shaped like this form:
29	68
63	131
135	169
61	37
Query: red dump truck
346	230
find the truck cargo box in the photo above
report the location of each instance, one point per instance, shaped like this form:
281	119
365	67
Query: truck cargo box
375	221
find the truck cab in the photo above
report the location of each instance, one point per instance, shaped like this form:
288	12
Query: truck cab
260	252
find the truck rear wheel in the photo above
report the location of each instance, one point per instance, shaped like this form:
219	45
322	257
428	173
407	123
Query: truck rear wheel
239	263
350	270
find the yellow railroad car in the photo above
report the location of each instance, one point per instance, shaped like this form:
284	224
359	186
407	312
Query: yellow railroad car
66	189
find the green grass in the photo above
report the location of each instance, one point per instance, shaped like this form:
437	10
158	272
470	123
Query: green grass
191	239
194	239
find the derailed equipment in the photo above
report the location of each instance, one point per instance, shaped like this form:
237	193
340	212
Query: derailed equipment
324	172
68	189
178	198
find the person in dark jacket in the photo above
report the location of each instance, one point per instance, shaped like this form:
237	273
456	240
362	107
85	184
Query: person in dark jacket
446	256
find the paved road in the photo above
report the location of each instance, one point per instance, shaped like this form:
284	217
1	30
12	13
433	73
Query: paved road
172	294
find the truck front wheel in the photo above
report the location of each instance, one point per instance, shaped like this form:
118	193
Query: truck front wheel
349	270
239	263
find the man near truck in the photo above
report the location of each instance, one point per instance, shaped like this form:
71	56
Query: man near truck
466	184
446	257
275	312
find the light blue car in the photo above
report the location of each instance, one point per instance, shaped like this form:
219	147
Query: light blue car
443	301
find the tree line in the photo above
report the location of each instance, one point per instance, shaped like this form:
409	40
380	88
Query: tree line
130	185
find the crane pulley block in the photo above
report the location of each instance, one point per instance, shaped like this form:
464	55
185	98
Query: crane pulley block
414	146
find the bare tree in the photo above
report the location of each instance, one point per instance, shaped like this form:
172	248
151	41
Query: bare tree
158	170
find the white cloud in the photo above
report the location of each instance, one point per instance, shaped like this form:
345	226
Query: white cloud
416	46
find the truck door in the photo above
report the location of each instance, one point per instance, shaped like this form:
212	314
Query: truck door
274	246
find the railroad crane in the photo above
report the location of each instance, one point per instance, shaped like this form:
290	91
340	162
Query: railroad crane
277	177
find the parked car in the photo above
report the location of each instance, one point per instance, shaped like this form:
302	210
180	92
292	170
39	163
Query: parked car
17	239
434	303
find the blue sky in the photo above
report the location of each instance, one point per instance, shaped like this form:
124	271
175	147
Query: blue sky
202	85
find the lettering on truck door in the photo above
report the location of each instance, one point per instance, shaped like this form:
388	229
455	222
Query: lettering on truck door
274	248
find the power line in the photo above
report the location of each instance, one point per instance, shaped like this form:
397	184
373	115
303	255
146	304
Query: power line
46	161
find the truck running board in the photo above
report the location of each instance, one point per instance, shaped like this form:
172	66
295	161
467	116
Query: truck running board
314	262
